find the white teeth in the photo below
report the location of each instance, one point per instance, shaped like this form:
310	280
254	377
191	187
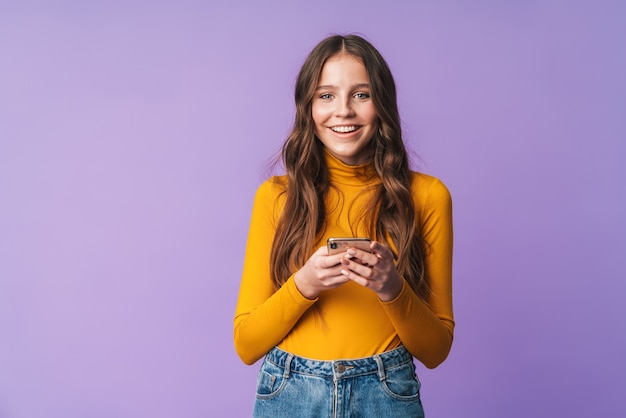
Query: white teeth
344	129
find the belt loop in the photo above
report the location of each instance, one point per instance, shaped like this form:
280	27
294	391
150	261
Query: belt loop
287	366
381	367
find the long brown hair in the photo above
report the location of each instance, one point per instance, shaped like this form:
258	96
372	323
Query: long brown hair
391	210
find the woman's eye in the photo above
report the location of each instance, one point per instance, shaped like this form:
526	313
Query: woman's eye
325	96
362	96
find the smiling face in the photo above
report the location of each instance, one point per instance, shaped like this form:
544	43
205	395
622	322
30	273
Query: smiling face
343	112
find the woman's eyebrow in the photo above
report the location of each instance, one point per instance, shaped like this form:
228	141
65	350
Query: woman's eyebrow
354	87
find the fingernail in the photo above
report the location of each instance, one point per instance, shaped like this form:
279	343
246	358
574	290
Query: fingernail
351	251
344	272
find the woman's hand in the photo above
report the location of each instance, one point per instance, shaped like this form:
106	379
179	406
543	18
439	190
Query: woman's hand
321	272
375	270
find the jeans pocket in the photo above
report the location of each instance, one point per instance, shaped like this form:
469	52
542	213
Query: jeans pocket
402	383
270	380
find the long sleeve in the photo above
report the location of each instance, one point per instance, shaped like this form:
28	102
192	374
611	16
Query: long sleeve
348	321
427	330
264	317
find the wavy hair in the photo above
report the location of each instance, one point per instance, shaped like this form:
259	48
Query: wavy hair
390	211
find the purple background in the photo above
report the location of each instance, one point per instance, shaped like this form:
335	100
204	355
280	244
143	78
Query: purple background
134	134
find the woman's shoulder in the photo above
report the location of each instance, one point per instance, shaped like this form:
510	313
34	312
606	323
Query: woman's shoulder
270	196
272	187
426	188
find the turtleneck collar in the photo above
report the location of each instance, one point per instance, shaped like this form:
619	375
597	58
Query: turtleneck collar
353	175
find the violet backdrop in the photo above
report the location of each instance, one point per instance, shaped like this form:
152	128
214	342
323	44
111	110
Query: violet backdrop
133	135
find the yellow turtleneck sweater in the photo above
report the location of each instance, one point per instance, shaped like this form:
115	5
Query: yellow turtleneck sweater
349	321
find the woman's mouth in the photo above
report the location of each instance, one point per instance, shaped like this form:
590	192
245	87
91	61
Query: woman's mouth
344	129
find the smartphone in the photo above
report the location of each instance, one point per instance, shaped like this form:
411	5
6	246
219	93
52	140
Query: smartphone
338	245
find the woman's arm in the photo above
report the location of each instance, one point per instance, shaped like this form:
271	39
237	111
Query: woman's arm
427	329
263	316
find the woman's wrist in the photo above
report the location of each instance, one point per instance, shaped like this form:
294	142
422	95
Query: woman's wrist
393	291
302	288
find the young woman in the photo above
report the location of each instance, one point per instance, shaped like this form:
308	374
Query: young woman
339	331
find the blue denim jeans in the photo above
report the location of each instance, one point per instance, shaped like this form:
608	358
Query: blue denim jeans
384	385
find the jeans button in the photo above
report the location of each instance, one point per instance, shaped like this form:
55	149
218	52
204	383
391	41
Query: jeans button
341	368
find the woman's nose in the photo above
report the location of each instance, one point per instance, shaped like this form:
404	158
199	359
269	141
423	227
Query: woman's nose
344	108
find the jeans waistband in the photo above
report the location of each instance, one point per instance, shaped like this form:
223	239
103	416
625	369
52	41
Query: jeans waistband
339	369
